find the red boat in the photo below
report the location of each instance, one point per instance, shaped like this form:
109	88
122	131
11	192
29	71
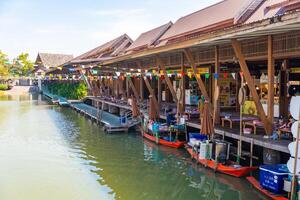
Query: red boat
225	169
256	184
176	144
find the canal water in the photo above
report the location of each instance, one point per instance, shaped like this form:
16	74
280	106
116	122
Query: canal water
53	153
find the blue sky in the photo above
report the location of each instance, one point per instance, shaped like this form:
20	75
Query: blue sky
74	27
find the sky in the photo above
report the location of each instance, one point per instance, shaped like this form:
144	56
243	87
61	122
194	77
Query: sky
76	26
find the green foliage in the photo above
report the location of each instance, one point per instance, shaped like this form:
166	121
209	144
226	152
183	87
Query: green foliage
3	87
4	65
22	66
68	90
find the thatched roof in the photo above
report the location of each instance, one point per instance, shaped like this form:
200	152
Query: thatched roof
48	60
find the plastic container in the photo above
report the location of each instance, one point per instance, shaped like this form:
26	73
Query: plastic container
271	177
205	150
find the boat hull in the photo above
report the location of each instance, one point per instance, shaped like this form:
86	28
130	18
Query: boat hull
236	172
176	144
256	184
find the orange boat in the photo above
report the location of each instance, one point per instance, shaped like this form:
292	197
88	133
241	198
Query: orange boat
256	184
176	144
225	169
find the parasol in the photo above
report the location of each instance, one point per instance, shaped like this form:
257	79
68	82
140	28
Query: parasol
135	111
206	121
152	111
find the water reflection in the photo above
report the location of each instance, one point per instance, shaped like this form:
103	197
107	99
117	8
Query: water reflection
47	152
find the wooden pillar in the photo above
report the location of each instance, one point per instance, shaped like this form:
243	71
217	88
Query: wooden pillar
183	86
283	100
152	93
135	92
170	85
217	84
271	74
142	88
127	88
190	59
158	86
244	67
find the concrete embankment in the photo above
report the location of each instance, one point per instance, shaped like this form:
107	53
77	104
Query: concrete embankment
20	90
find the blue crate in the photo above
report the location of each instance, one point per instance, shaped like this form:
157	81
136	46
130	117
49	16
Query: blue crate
271	177
198	136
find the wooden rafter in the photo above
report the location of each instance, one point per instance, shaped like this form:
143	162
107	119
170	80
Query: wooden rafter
191	60
152	93
135	92
244	67
169	83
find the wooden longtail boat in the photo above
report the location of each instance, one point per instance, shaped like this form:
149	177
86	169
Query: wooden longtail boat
160	141
225	169
269	194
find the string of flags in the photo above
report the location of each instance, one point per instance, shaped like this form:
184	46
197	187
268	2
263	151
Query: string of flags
155	74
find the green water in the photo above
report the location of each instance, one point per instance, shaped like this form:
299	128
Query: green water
52	153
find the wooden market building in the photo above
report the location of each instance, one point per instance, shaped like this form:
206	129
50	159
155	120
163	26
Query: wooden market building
258	40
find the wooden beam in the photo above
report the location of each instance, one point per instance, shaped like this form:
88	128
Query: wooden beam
216	85
168	81
244	67
135	92
142	88
271	74
191	60
152	93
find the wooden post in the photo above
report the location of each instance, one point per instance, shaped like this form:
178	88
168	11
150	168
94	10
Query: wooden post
190	59
158	86
217	84
244	67
169	83
127	88
135	92
151	91
183	86
283	101
142	88
271	74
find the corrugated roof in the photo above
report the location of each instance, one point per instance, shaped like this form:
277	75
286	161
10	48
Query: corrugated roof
149	38
53	60
222	12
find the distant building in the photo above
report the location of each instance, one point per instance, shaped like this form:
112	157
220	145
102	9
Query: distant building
46	62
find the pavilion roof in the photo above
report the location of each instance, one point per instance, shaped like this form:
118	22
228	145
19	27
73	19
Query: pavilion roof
271	8
149	39
220	15
49	60
105	51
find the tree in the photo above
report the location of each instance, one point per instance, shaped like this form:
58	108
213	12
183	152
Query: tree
4	65
22	66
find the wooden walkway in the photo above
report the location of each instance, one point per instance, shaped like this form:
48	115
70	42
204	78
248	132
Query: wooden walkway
111	122
258	140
